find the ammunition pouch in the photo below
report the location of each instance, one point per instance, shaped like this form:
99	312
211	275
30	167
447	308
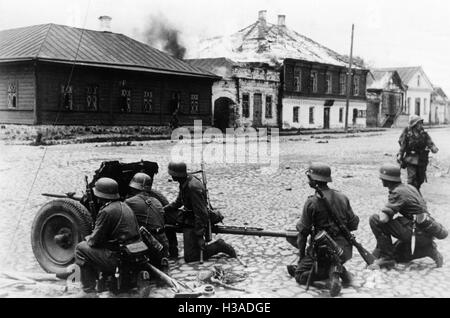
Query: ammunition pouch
433	228
411	158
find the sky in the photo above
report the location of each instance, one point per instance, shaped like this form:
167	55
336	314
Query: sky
388	33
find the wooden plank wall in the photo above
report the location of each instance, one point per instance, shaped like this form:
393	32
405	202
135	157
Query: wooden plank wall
23	75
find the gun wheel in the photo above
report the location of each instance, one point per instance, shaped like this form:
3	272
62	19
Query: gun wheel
57	228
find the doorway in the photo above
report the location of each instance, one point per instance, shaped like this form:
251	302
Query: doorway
222	111
257	110
326	118
417	107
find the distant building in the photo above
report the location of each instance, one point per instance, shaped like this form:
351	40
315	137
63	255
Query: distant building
385	99
49	76
439	107
418	93
247	94
312	78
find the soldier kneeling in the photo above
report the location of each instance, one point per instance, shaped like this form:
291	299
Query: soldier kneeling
328	249
406	200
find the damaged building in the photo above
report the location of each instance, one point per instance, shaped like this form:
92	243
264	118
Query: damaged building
54	74
311	78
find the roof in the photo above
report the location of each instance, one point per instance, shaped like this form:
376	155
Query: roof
406	73
220	66
267	43
59	43
380	80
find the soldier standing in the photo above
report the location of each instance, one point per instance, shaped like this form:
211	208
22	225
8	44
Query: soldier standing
115	224
194	219
317	223
407	201
149	214
415	145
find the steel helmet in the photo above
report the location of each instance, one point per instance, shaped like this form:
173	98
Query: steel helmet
390	172
106	188
413	120
141	181
319	172
177	169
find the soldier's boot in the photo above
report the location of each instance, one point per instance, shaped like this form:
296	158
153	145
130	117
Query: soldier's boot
302	278
220	246
291	270
346	277
335	283
436	256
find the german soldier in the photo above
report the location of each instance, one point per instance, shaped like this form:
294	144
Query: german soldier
115	225
414	225
150	215
321	261
415	145
194	219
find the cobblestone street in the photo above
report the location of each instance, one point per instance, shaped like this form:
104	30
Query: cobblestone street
247	196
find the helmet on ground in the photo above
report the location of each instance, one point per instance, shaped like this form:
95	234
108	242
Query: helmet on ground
319	172
390	172
177	169
141	181
106	188
413	120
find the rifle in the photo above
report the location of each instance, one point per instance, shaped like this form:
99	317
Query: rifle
365	254
90	199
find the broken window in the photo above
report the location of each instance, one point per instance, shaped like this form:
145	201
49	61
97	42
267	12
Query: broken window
268	106
343	84
148	102
194	103
297	80
295	117
311	115
314	81
356	85
92	98
12	95
246	105
329	84
67	97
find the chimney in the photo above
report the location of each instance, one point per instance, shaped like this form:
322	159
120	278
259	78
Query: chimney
105	23
281	20
262	24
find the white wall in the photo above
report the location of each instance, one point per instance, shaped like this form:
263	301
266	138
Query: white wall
422	91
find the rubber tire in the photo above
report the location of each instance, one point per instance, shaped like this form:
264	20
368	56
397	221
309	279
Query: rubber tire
160	197
72	210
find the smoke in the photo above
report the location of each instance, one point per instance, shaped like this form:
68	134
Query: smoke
164	36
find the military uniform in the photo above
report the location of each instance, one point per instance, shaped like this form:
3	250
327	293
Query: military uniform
403	199
115	224
314	219
414	154
150	214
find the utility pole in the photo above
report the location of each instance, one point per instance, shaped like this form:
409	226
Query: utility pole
349	80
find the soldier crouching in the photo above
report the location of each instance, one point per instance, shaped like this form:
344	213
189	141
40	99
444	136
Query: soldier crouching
414	227
328	250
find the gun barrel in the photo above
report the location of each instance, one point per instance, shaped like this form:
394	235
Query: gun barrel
252	232
61	196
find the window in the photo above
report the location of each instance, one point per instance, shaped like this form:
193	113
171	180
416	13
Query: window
125	100
342	84
194	103
341	115
148	102
314	81
418	80
268	106
245	105
175	101
67	97
12	95
329	84
92	98
311	115
408	105
295	116
361	113
297	80
356	85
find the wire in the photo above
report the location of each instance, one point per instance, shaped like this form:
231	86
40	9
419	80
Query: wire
55	122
